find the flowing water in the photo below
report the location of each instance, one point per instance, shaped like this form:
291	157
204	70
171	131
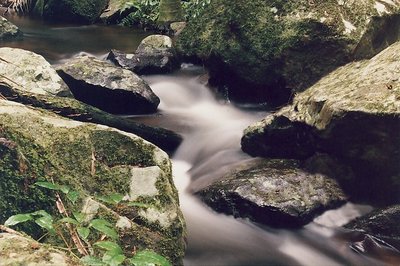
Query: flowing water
212	130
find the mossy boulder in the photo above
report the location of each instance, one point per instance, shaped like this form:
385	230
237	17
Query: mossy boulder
95	161
76	110
8	30
154	55
110	88
352	114
27	71
116	10
274	192
78	11
264	50
20	250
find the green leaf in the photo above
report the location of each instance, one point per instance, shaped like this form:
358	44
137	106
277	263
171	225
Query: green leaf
80	217
48	185
104	227
46	223
73	196
83	232
68	220
92	261
41	213
64	189
138	204
18	218
109	246
112	199
149	258
113	259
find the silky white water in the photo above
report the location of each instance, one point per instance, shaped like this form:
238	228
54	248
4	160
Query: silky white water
212	130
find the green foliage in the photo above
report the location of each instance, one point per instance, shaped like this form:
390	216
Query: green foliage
146	14
193	8
110	251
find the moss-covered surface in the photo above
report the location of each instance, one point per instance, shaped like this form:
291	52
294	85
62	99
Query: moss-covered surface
91	159
81	11
259	48
76	110
8	30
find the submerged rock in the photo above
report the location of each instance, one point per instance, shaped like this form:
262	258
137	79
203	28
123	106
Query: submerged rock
381	223
8	30
108	87
19	250
352	114
26	71
264	49
154	55
76	110
80	11
273	192
93	160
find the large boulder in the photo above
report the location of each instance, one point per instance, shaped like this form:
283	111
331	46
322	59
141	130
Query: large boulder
116	10
273	192
76	110
352	114
110	88
26	71
8	30
80	11
95	161
19	250
263	50
154	55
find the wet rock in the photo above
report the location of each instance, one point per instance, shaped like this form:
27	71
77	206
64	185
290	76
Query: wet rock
107	87
19	250
154	55
78	11
76	110
273	192
95	161
380	223
8	30
26	71
263	50
354	115
116	10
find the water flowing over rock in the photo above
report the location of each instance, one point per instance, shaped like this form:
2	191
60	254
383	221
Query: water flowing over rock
81	11
381	223
26	71
352	114
263	50
155	54
108	87
93	160
273	192
76	110
8	30
19	250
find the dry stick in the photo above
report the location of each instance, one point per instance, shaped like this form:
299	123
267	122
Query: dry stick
9	230
74	235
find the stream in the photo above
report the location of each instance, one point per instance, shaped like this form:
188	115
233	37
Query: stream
212	130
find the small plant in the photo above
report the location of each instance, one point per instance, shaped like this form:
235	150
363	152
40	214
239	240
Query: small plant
104	251
193	8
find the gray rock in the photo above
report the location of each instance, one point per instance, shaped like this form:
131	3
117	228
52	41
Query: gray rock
108	87
116	10
95	161
8	30
19	250
273	192
26	71
352	114
264	49
154	55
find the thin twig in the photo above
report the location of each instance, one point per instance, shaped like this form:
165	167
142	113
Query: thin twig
9	230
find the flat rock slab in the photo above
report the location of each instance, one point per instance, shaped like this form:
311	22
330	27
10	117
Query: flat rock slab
273	192
26	71
110	88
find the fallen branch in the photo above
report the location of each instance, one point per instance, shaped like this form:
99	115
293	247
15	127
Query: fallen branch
9	230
